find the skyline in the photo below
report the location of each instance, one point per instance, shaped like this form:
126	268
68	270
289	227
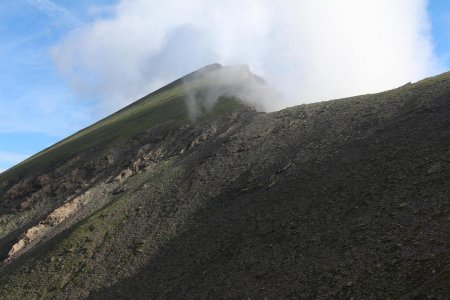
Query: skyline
43	103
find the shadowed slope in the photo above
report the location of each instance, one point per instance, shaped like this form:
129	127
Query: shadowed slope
338	199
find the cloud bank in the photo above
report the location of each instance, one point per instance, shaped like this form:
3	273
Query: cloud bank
206	86
309	50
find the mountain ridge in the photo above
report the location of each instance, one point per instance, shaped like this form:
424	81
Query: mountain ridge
181	83
337	199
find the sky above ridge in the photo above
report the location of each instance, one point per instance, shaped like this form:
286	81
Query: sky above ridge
65	64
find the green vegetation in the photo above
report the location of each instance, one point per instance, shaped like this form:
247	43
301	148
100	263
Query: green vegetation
166	104
75	255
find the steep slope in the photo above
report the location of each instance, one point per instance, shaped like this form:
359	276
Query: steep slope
160	106
69	168
339	199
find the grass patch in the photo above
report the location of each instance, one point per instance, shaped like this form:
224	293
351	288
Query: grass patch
167	104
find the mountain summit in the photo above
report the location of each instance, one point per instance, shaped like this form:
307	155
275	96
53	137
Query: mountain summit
192	192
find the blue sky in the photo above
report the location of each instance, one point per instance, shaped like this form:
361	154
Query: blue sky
37	107
439	11
40	104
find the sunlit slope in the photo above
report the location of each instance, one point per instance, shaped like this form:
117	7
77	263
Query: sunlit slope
167	104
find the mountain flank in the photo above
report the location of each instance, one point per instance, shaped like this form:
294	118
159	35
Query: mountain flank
340	199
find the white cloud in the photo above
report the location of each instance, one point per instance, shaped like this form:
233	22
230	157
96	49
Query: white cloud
310	50
63	16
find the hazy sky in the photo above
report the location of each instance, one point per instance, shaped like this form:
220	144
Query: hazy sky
66	63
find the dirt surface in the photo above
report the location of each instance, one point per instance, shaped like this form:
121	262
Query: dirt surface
347	199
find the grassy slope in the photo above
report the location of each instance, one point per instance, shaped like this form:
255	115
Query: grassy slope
167	103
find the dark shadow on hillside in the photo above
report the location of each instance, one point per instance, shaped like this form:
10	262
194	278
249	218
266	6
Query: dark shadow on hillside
369	220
